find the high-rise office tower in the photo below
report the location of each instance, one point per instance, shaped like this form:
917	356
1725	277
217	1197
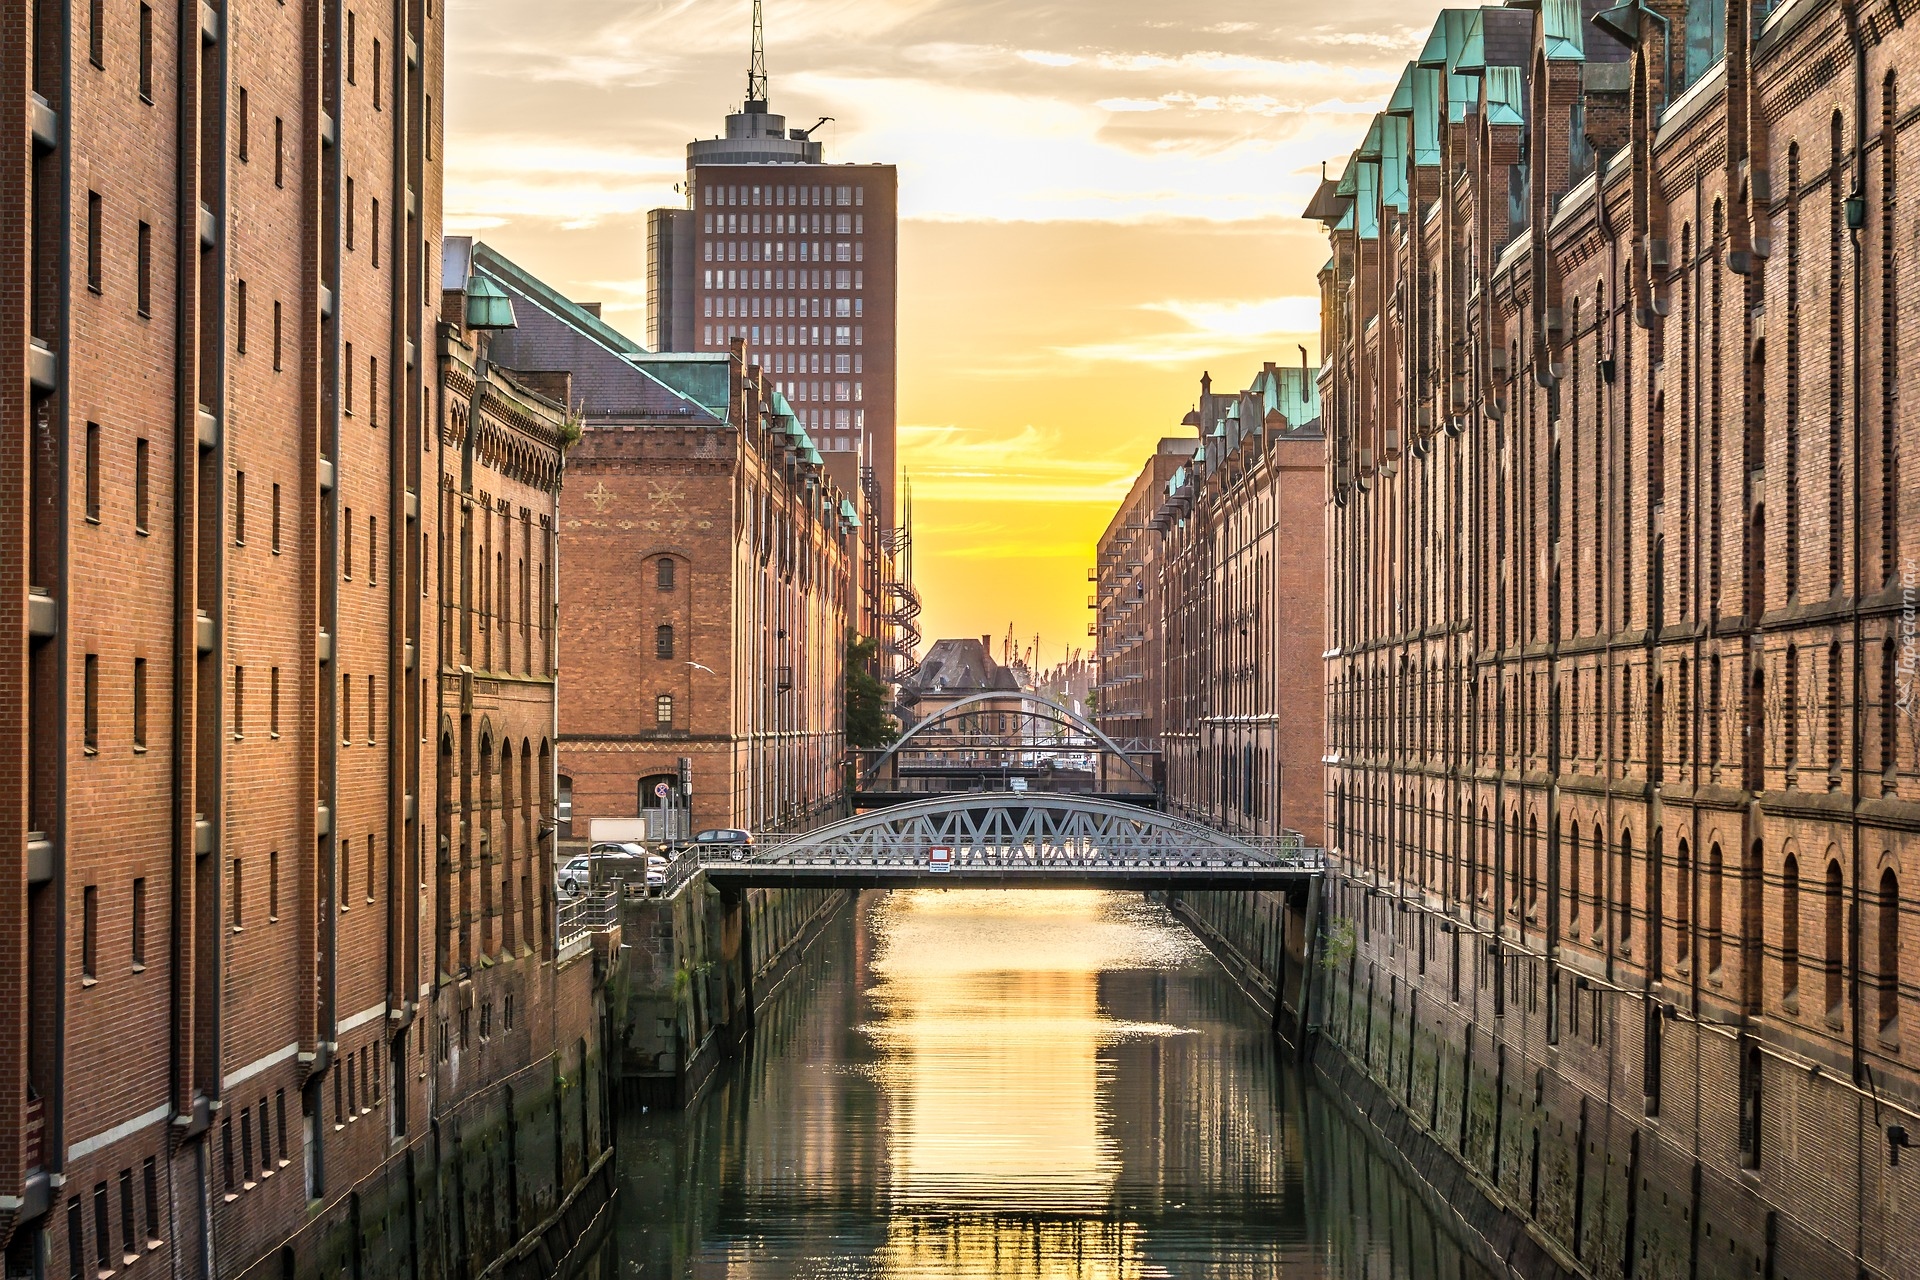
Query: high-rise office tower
797	258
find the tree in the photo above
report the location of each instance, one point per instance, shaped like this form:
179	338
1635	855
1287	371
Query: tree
868	724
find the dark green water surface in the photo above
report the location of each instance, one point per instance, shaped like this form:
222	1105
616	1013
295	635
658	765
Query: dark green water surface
1013	1084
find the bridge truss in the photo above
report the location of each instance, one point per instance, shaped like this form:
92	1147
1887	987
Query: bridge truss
1008	838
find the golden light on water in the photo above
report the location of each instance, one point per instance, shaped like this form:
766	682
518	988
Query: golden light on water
1001	1153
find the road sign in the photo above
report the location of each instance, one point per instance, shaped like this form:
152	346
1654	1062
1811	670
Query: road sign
1016	784
662	789
940	857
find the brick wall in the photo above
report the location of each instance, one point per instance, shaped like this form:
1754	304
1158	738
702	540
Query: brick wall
1622	790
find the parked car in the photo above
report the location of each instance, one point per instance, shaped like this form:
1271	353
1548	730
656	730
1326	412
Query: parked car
739	843
621	859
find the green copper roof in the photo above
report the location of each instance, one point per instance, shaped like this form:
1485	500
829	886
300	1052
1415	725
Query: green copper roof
813	455
1370	145
701	377
848	514
1348	180
1563	33
1366	201
1426	115
1506	96
1393	162
1401	103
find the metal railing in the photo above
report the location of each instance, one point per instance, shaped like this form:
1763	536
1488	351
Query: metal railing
596	911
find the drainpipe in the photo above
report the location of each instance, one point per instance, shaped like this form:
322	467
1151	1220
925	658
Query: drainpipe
1856	215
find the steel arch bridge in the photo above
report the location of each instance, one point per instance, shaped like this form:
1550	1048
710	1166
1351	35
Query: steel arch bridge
947	731
1008	839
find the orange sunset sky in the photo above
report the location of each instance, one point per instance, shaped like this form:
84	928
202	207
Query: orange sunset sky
1099	199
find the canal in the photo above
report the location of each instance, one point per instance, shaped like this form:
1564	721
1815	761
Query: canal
1013	1084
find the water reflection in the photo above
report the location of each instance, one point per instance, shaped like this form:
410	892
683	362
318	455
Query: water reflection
1012	1084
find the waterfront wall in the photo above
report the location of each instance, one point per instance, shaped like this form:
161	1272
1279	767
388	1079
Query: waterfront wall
507	1181
699	964
1548	1149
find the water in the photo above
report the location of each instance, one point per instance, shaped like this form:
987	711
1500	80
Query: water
1031	1085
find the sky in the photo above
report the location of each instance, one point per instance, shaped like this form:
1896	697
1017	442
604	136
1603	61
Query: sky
1099	201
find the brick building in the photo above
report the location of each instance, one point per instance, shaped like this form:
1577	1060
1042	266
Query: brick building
708	588
1621	525
227	1041
1129	647
1211	581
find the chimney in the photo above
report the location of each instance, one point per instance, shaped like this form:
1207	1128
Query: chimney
1206	383
986	644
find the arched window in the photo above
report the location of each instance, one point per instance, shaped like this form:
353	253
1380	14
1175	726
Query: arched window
1889	939
1683	904
663	711
1599	878
1716	909
1625	882
1833	943
1790	928
663	573
663	640
1573	878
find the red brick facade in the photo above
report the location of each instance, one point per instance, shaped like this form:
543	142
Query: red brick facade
1210	584
1621	531
226	672
708	598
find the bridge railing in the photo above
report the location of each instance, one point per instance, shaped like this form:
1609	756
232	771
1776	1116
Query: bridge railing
589	913
1274	853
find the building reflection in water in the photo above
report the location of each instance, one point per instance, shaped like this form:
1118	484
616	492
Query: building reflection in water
1032	1085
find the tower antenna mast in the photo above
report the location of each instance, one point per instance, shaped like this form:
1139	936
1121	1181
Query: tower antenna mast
757	69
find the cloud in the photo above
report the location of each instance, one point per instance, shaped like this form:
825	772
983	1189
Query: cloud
1032	464
1209	329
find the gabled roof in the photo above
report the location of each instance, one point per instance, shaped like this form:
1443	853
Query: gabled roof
552	333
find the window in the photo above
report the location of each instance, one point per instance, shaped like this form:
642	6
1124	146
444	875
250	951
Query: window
1888	928
376	75
102	1238
1790	928
371	847
341	876
143	271
240	316
146	53
90	933
371	735
280	1121
273	914
266	1141
242	112
353	49
663	710
93	240
239	703
126	1215
663	640
139	930
349	202
346	710
91	700
76	1221
1834	941
151	1186
346	545
97	54
346	377
279	158
139	704
663	573
276	488
239	897
93	473
240	508
373	231
141	488
373	550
